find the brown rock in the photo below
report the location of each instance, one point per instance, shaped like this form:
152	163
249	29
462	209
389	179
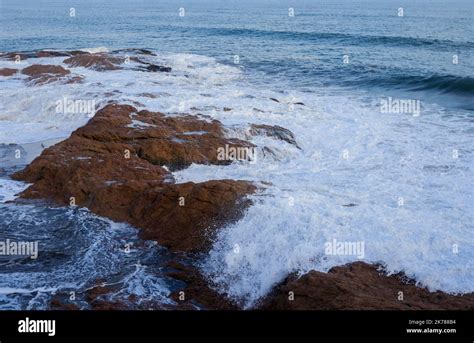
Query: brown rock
58	304
39	69
113	166
99	61
359	286
16	56
197	294
8	71
49	53
34	54
187	227
40	74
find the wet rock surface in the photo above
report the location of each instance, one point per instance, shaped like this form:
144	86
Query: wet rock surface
40	74
196	294
115	167
8	71
273	131
359	286
99	62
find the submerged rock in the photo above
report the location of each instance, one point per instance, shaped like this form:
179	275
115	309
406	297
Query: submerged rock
155	68
274	131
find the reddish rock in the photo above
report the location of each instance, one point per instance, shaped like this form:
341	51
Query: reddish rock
188	227
58	304
39	69
40	74
114	167
49	53
359	286
99	61
8	71
197	294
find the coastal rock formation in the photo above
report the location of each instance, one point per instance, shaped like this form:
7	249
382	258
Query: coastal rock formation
359	286
105	62
99	61
197	294
40	74
8	71
40	69
118	167
21	56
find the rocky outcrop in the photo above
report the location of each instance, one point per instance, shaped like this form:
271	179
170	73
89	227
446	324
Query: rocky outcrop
105	62
99	61
359	286
21	56
40	74
196	294
118	167
8	71
40	69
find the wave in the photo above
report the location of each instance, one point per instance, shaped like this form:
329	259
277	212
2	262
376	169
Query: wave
341	38
444	84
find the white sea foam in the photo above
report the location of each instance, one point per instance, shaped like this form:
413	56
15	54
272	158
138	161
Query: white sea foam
76	249
413	210
95	50
9	189
351	153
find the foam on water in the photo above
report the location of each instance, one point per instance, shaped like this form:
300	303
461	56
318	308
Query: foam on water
76	250
408	177
351	153
9	189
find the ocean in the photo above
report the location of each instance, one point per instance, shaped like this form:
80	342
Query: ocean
379	95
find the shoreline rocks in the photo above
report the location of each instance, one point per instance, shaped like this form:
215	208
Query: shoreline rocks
359	286
8	72
118	167
40	74
99	62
